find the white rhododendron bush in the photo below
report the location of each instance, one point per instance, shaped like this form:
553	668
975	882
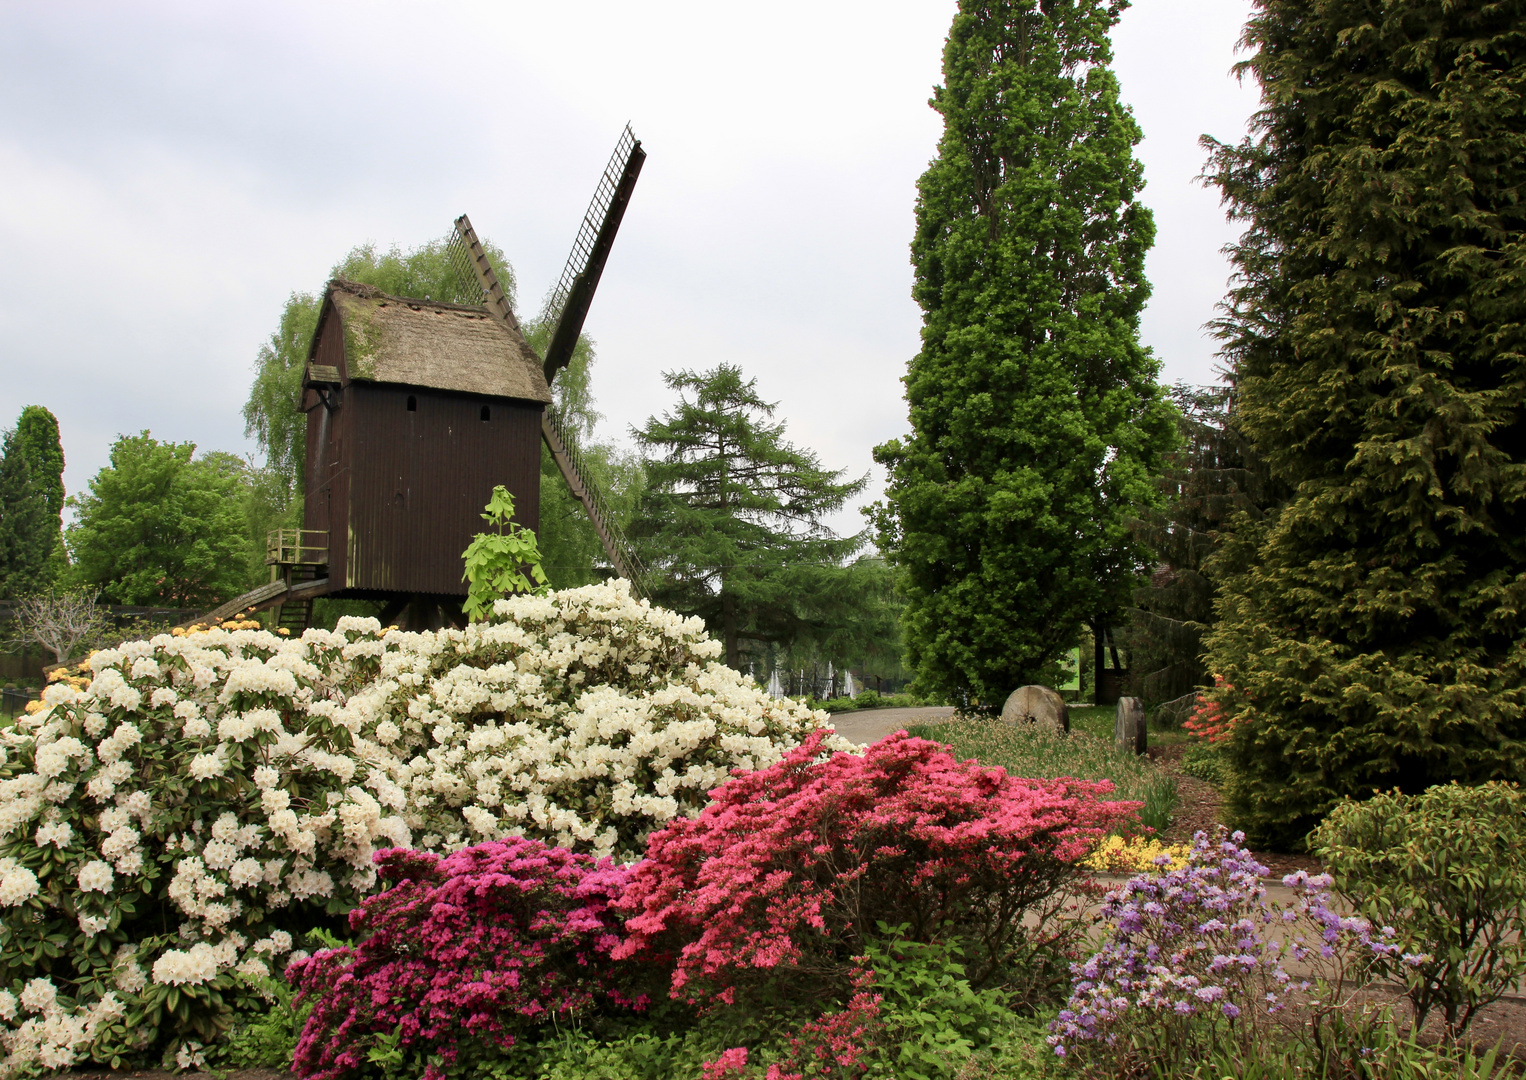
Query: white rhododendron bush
171	829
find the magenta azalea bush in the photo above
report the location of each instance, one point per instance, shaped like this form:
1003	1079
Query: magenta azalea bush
790	869
460	956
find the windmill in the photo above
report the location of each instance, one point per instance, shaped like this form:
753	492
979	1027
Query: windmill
417	407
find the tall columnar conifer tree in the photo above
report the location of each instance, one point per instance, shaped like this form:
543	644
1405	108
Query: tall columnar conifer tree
1372	624
31	504
1036	419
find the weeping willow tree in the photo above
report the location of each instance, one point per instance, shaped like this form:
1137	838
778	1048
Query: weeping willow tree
571	551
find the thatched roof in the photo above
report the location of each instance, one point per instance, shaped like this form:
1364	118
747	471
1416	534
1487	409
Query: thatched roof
425	343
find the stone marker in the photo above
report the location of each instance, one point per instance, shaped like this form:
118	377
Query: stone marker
1129	731
1037	705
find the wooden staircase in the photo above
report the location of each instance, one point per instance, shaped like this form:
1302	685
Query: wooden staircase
295	613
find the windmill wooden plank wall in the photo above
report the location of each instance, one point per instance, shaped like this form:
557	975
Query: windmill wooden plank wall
415	411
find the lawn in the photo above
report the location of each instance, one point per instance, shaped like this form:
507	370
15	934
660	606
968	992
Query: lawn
1086	753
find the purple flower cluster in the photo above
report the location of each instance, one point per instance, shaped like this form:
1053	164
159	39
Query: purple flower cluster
1199	952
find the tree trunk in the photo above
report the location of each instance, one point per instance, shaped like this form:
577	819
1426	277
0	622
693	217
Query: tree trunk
1098	629
729	630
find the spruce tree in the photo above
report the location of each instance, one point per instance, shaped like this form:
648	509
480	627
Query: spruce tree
1371	625
1036	420
1209	479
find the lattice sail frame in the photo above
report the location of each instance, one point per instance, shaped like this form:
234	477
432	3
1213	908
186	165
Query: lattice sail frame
565	309
588	231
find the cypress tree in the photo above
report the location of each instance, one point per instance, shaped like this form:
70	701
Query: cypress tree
1036	420
26	542
1371	624
37	440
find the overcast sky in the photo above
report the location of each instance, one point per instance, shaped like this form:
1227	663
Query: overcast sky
171	172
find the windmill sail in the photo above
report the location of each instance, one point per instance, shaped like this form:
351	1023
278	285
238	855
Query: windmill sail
471	264
567	306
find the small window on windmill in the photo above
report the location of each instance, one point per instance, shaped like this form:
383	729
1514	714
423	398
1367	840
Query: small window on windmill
413	403
487	414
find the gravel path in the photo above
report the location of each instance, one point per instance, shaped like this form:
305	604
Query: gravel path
871	725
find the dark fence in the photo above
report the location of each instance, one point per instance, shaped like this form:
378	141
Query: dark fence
13	701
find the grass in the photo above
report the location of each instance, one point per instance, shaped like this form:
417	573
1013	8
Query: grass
1029	750
1098	720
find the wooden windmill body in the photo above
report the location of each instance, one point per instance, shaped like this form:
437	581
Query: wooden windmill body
416	408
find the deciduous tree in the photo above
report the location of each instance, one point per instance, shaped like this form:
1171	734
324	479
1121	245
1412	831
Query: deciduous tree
158	526
63	621
1036	420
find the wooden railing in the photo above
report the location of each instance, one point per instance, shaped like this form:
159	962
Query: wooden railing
297	547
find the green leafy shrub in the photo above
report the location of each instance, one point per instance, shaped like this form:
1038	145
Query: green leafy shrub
1206	762
933	1018
869	699
1447	869
501	563
838	704
1367	1045
265	1039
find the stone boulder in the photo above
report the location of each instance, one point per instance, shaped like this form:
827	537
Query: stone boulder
1129	731
1037	705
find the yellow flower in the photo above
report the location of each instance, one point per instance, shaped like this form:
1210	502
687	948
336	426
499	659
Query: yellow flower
1117	856
283	631
35	707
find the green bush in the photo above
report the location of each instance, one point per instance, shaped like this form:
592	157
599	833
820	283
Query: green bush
1447	869
1365	1046
837	704
265	1040
1204	761
868	699
934	1020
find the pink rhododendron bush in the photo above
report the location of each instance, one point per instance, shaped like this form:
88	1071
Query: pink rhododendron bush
793	868
169	831
461	955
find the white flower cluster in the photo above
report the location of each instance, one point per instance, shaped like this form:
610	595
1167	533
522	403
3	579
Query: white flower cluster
39	1029
245	780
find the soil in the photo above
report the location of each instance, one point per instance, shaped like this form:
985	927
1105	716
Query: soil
1201	808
